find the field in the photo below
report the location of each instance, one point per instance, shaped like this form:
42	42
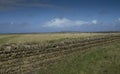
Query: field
97	60
22	38
61	53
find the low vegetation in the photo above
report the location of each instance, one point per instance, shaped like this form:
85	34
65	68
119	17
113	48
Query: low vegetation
22	38
31	55
103	59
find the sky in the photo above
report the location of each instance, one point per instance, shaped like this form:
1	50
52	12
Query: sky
23	16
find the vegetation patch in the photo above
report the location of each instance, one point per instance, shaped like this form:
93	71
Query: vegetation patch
29	56
98	60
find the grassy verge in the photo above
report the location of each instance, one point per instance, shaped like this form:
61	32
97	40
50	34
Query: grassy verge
6	38
97	60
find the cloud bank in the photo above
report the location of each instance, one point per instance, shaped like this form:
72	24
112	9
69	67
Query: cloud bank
64	22
60	24
24	3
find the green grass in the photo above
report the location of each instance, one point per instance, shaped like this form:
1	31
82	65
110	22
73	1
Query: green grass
98	60
6	38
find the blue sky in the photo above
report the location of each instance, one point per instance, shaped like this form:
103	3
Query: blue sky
20	16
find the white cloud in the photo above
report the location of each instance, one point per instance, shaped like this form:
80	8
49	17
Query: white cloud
94	21
59	22
118	19
11	22
64	22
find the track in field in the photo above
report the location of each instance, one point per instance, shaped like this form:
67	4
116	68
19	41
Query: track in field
34	59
